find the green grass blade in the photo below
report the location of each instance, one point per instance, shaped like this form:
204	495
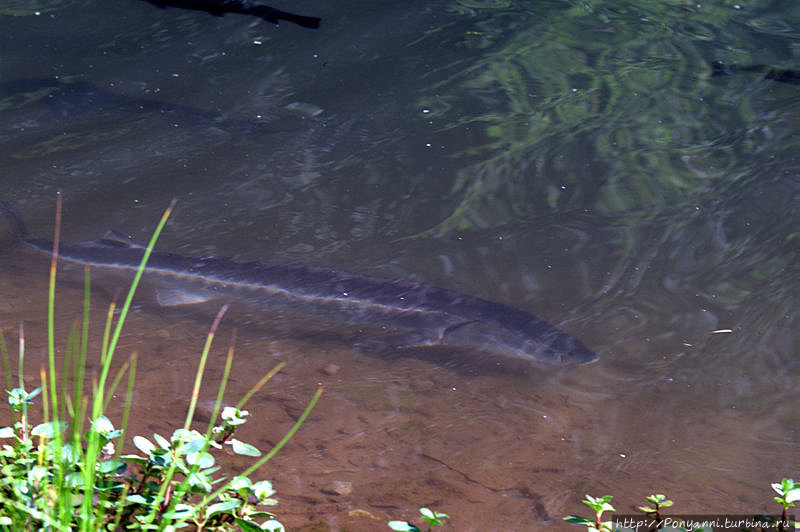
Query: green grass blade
222	385
45	405
128	400
259	384
114	383
69	353
129	298
107	331
6	361
21	355
166	481
202	366
24	413
79	362
93	447
57	415
51	298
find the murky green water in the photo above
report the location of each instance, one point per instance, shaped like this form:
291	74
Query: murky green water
578	160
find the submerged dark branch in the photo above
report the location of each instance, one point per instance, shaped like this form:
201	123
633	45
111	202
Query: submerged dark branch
219	8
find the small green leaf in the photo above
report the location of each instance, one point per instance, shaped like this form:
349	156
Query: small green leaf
143	444
263	490
186	436
111	466
211	471
202	459
272	526
242	448
599	504
403	526
200	482
791	491
234	416
7	432
222	507
136	459
194	446
433	517
162	441
578	520
239	483
247	526
181	511
139	499
161	458
49	429
110	485
103	426
74	479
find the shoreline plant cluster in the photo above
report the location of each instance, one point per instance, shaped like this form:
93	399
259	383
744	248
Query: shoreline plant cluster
61	475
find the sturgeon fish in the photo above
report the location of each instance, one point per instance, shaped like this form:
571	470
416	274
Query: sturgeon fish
406	314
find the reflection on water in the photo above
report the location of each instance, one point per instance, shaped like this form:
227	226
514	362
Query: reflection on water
577	162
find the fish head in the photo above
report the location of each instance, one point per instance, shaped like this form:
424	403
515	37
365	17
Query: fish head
544	345
565	349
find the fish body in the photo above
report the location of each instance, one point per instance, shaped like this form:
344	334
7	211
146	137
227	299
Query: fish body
404	314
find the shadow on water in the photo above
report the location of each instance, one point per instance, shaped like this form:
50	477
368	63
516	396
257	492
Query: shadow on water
221	7
37	110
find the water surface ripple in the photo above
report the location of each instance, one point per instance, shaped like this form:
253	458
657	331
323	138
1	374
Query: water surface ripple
583	161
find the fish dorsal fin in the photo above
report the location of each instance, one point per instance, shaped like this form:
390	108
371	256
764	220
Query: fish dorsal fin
116	239
463	333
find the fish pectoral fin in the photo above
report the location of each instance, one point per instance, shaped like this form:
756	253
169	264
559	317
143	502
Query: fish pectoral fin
172	297
393	342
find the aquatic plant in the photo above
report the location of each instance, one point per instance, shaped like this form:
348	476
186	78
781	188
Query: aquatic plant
600	505
60	475
658	502
599	106
432	517
788	492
